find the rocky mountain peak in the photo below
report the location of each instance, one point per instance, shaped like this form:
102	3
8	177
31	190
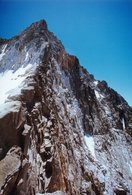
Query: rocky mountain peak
36	27
62	132
39	25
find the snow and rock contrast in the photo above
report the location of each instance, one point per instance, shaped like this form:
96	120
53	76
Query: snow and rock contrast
62	132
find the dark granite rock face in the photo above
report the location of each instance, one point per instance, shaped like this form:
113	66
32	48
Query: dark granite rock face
62	131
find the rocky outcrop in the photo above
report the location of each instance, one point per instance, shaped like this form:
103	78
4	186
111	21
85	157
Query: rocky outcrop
61	131
9	169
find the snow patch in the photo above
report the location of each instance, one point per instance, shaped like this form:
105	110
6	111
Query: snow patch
10	80
95	83
130	166
90	143
107	110
98	95
8	107
123	123
3	52
27	55
30	154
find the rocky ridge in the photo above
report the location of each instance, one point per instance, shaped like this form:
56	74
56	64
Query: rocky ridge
62	132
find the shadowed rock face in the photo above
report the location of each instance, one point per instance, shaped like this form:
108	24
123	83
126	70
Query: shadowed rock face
61	131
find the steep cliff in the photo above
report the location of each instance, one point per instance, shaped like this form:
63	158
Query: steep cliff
61	131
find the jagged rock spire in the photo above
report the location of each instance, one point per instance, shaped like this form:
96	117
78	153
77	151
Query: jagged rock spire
39	25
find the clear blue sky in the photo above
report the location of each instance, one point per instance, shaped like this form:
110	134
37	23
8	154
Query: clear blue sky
98	32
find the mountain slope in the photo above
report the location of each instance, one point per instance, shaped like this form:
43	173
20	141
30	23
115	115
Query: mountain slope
61	131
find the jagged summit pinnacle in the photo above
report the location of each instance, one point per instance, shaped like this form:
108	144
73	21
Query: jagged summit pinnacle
35	38
36	28
41	24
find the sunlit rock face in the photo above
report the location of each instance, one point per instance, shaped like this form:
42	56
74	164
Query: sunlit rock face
61	131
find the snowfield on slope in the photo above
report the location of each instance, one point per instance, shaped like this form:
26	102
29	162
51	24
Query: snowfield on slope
90	144
11	82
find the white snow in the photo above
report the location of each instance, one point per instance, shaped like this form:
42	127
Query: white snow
20	182
3	52
98	95
27	55
30	154
46	141
96	83
10	80
9	107
130	166
49	124
90	143
123	123
47	182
